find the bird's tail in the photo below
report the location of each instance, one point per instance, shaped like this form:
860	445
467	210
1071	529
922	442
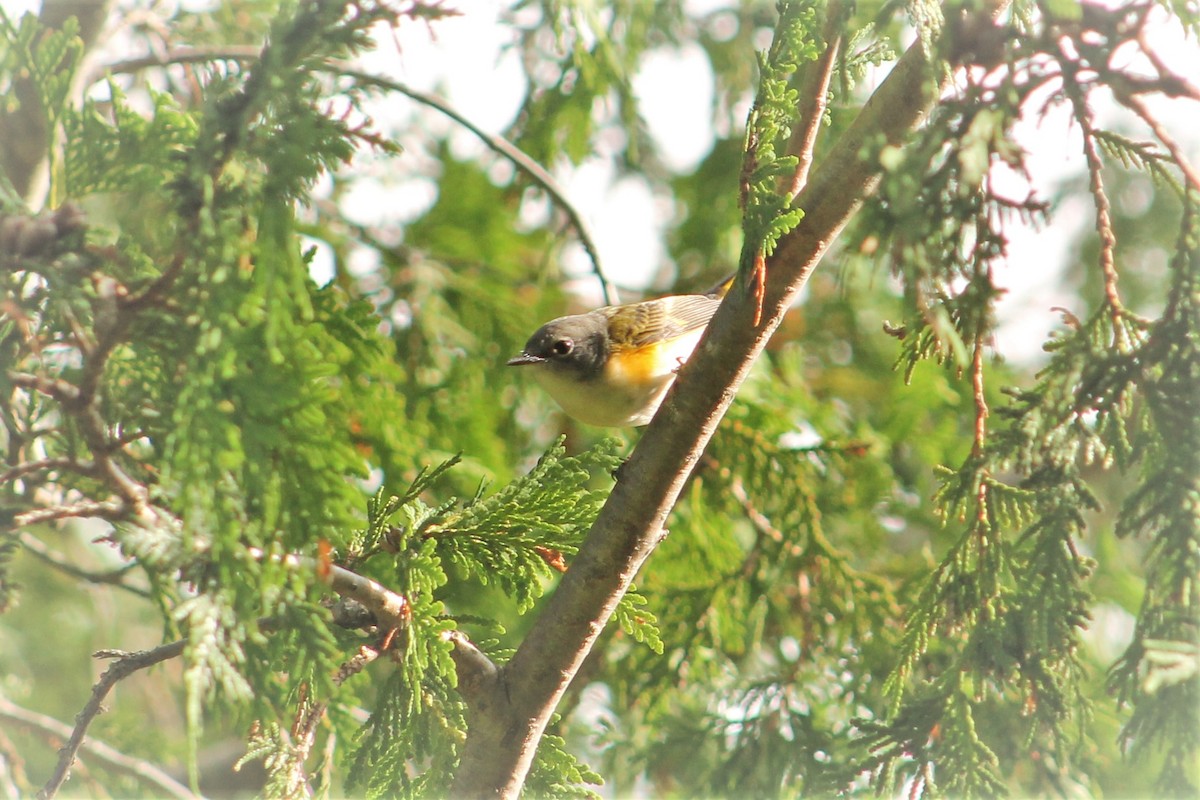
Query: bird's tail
722	288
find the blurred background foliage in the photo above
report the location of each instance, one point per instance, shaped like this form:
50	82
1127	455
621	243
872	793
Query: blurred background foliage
264	411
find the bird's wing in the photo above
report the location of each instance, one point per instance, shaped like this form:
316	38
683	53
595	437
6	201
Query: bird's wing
641	324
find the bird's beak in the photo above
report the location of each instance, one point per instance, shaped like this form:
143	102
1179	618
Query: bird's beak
523	359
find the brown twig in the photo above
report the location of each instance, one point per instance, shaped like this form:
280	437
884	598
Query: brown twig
46	465
1135	103
478	675
100	752
1108	239
82	402
391	610
1170	84
977	388
110	510
54	388
125	665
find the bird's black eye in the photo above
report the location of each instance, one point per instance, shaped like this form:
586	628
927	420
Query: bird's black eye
563	347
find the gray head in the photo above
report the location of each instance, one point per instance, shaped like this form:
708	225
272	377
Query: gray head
576	344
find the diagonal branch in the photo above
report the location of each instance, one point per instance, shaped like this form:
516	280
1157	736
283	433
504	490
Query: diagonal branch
503	736
1191	175
125	665
163	784
113	577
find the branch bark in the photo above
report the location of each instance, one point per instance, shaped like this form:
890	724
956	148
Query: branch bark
113	759
23	134
505	728
125	665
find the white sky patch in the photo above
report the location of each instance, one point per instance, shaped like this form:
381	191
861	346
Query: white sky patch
626	221
674	89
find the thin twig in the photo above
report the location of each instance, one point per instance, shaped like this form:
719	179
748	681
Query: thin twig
111	510
477	674
977	387
96	750
1108	239
523	162
125	665
47	464
115	577
178	55
1135	104
54	388
1172	85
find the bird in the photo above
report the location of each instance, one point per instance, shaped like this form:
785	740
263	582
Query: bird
612	367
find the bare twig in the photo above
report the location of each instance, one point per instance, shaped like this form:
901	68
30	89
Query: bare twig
477	674
1135	103
1170	84
125	665
46	465
54	388
111	510
98	751
82	402
1108	239
114	577
519	159
981	406
178	55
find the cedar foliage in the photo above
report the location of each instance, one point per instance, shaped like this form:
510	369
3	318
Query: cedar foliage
896	569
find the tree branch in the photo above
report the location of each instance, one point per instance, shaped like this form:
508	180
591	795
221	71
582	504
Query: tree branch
111	510
179	55
23	133
1191	176
102	753
114	577
47	465
391	610
477	674
814	94
125	665
503	736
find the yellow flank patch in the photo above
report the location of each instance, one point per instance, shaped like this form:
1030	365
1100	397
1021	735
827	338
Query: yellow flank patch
652	364
638	366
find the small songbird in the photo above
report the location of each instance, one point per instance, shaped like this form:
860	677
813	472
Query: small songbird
613	366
